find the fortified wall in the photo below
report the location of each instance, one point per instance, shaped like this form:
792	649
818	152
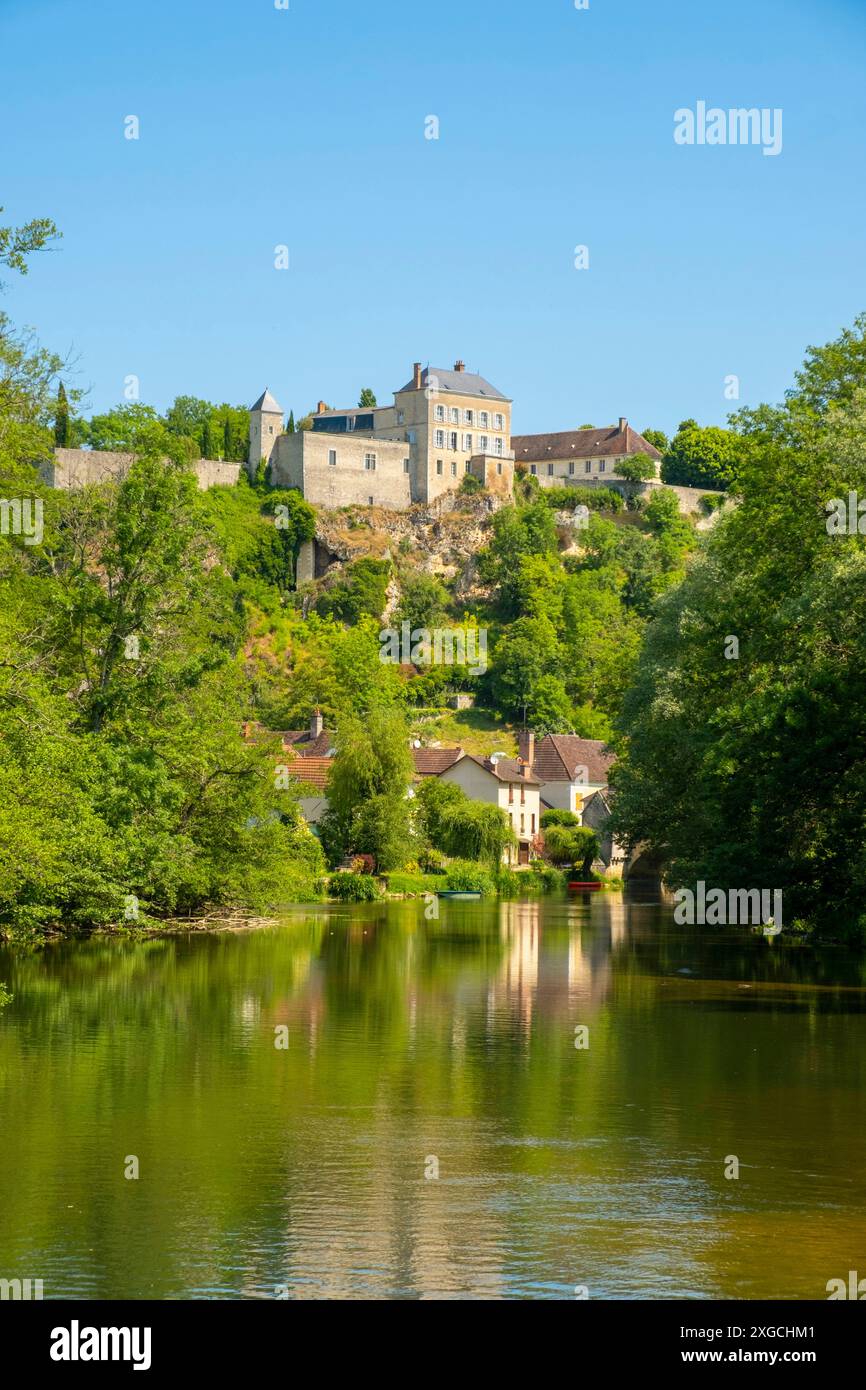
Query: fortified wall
75	468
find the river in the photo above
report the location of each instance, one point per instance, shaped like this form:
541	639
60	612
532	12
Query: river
362	1103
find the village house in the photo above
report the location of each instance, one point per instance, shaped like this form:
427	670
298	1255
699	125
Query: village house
570	769
508	783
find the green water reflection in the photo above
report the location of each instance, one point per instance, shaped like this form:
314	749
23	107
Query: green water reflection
303	1170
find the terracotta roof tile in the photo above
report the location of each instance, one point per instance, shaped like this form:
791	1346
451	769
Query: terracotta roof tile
429	762
312	770
557	755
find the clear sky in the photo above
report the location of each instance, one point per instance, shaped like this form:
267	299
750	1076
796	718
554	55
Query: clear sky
306	127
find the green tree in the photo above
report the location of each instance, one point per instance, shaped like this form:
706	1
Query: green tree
367	399
18	243
637	469
61	420
702	457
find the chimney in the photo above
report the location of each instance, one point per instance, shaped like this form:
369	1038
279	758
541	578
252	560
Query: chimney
460	365
321	407
526	745
317	723
523	768
623	424
416	376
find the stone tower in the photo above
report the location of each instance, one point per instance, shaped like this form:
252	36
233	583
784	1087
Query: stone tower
266	426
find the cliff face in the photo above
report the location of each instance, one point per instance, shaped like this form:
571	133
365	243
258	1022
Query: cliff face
440	538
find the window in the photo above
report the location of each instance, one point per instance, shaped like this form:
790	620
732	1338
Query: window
587	467
601	466
498	422
522	823
467	443
467	416
499	445
483	442
369	501
411	436
533	468
454	470
440	412
455	415
467	465
571	468
532	822
439	439
439	467
454	445
370	462
522	797
511	793
499	469
550	470
405	465
400	417
332	457
484	419
270	429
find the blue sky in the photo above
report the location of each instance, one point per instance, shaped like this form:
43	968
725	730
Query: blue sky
305	127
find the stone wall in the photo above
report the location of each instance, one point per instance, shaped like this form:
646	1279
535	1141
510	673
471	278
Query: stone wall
688	498
216	473
301	460
74	468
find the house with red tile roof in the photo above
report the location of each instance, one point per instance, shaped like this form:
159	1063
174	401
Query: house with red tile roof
570	769
508	783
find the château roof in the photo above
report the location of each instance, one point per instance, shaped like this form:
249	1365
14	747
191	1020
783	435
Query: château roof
267	404
459	383
543	448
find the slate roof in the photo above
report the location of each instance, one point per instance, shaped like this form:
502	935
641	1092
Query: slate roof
460	383
300	742
557	755
267	403
429	762
544	448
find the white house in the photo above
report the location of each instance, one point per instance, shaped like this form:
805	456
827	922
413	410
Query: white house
569	769
508	783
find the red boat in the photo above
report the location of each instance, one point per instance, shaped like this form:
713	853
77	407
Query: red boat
584	887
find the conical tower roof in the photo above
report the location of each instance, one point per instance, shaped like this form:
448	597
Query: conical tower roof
267	404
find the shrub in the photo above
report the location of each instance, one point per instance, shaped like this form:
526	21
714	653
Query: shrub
545	878
711	502
464	876
597	499
353	888
469	484
431	861
576	845
557	817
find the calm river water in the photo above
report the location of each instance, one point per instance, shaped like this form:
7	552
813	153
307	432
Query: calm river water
419	1046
